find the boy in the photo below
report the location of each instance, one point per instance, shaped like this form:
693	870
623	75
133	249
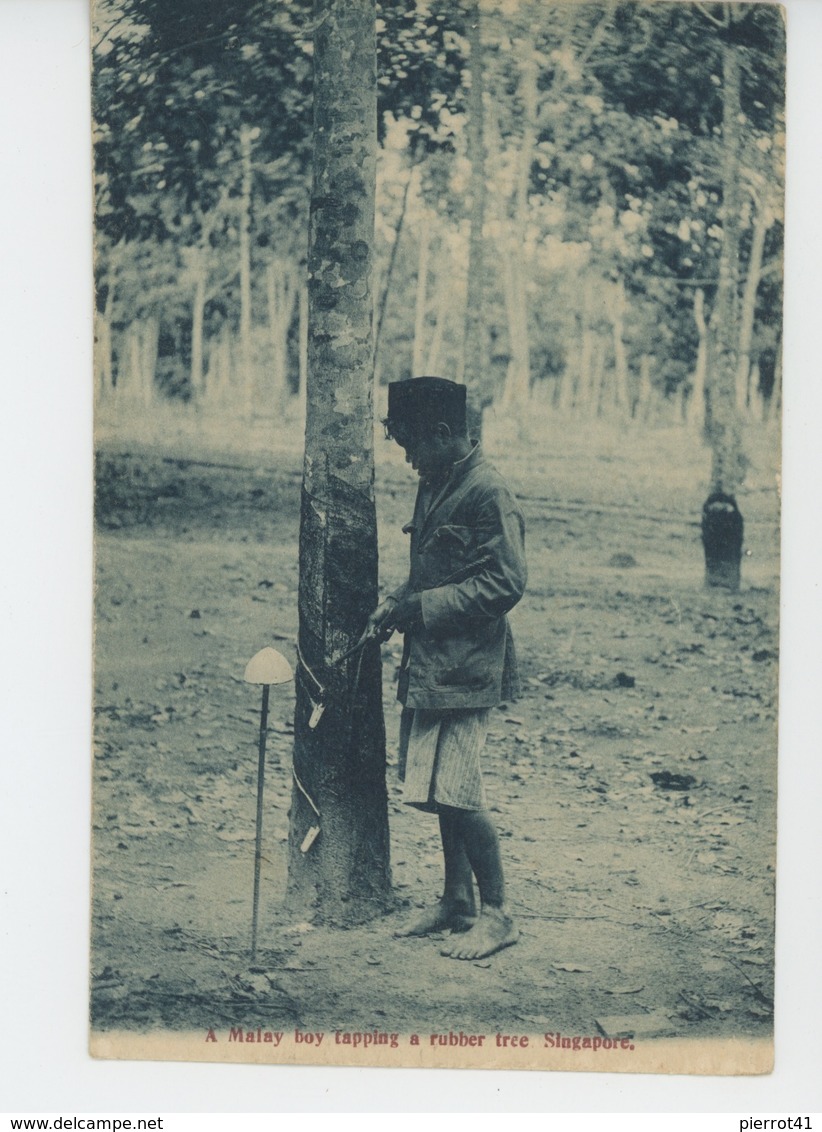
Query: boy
467	570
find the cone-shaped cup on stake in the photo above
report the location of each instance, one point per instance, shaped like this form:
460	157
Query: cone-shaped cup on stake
266	667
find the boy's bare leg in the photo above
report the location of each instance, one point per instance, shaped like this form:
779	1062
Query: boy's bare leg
494	929
456	909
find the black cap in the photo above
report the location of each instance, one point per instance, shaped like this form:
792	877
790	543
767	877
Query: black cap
419	403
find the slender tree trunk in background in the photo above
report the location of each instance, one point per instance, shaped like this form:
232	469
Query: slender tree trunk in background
696	402
775	403
757	401
564	396
517	392
103	344
421	298
303	347
517	389
103	336
218	385
744	392
475	346
722	522
644	406
569	383
197	316
599	375
103	363
586	397
281	296
149	344
344	872
246	375
622	390
128	376
442	306
389	274
136	378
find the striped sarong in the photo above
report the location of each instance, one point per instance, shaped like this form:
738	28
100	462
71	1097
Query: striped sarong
439	757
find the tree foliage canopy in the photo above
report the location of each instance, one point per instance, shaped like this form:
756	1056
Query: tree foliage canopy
603	163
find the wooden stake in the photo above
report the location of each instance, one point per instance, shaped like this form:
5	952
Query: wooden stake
259	841
266	667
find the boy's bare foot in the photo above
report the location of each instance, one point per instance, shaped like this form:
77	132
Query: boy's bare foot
492	931
442	917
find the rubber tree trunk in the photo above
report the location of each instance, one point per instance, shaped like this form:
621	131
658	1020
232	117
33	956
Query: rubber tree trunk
148	364
475	344
281	295
745	394
344	876
136	377
617	303
721	520
200	272
421	299
517	391
103	335
103	356
389	273
442	305
302	330
696	402
246	376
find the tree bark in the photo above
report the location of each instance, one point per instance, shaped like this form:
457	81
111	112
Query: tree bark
644	406
148	358
343	873
622	380
197	315
219	380
474	346
103	365
103	335
571	381
516	261
722	523
135	382
303	348
389	274
442	305
517	390
128	377
281	298
744	396
585	401
247	376
421	298
696	402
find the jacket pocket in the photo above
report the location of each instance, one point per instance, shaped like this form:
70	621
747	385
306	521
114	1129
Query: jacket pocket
446	551
452	554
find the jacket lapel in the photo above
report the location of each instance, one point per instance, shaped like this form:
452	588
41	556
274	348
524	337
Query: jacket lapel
444	497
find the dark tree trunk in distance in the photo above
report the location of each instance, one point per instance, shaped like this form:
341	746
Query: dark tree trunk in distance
727	468
344	875
722	531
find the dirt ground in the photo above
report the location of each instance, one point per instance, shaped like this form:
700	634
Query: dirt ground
633	785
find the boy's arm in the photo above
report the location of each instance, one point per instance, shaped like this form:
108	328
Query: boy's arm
384	620
500	581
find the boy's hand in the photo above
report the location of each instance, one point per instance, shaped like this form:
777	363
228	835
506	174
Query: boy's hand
380	624
406	612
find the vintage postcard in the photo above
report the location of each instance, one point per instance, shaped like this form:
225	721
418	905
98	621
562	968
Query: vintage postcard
437	426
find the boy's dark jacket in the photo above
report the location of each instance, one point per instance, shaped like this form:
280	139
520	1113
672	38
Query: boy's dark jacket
468	562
